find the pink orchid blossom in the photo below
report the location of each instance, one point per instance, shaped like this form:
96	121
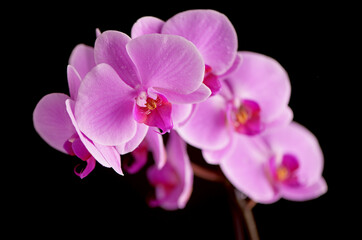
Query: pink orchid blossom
173	182
55	122
254	97
284	162
210	31
137	81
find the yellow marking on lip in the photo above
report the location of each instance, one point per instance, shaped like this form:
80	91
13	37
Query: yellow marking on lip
151	104
242	115
282	173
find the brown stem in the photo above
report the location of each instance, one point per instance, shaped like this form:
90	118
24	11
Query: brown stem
243	219
241	208
207	173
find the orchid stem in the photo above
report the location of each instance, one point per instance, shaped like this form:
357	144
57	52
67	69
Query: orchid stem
207	174
243	219
241	208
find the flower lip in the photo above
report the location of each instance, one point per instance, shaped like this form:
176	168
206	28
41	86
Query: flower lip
284	172
211	80
245	118
153	110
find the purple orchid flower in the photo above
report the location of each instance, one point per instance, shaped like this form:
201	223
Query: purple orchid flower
284	162
55	122
210	31
254	97
136	82
173	182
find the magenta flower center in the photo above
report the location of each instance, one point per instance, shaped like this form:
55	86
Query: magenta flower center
211	80
75	147
285	171
154	111
246	118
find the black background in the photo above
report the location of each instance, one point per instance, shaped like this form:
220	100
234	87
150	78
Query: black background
45	197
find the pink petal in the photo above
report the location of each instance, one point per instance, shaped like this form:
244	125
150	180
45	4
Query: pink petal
180	113
98	32
211	32
155	144
297	140
199	95
105	155
132	144
52	122
104	108
74	80
207	126
284	119
263	80
82	59
217	156
112	157
146	25
304	193
244	168
213	83
110	48
80	150
234	66
167	62
140	155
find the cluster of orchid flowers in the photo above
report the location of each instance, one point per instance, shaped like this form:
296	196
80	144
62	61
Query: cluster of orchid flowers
185	77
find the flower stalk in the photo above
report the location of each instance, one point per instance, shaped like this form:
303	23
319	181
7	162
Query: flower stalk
240	206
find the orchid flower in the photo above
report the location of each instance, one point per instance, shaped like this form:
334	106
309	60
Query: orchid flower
173	182
284	162
134	85
253	97
210	31
54	119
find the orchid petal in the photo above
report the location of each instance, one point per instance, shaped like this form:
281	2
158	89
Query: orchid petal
238	60
132	144
80	150
206	128
199	95
298	141
167	62
104	107
146	25
82	59
263	80
155	144
110	48
105	155
52	122
180	112
140	156
74	81
112	157
98	32
304	193
284	119
217	156
244	168
211	32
